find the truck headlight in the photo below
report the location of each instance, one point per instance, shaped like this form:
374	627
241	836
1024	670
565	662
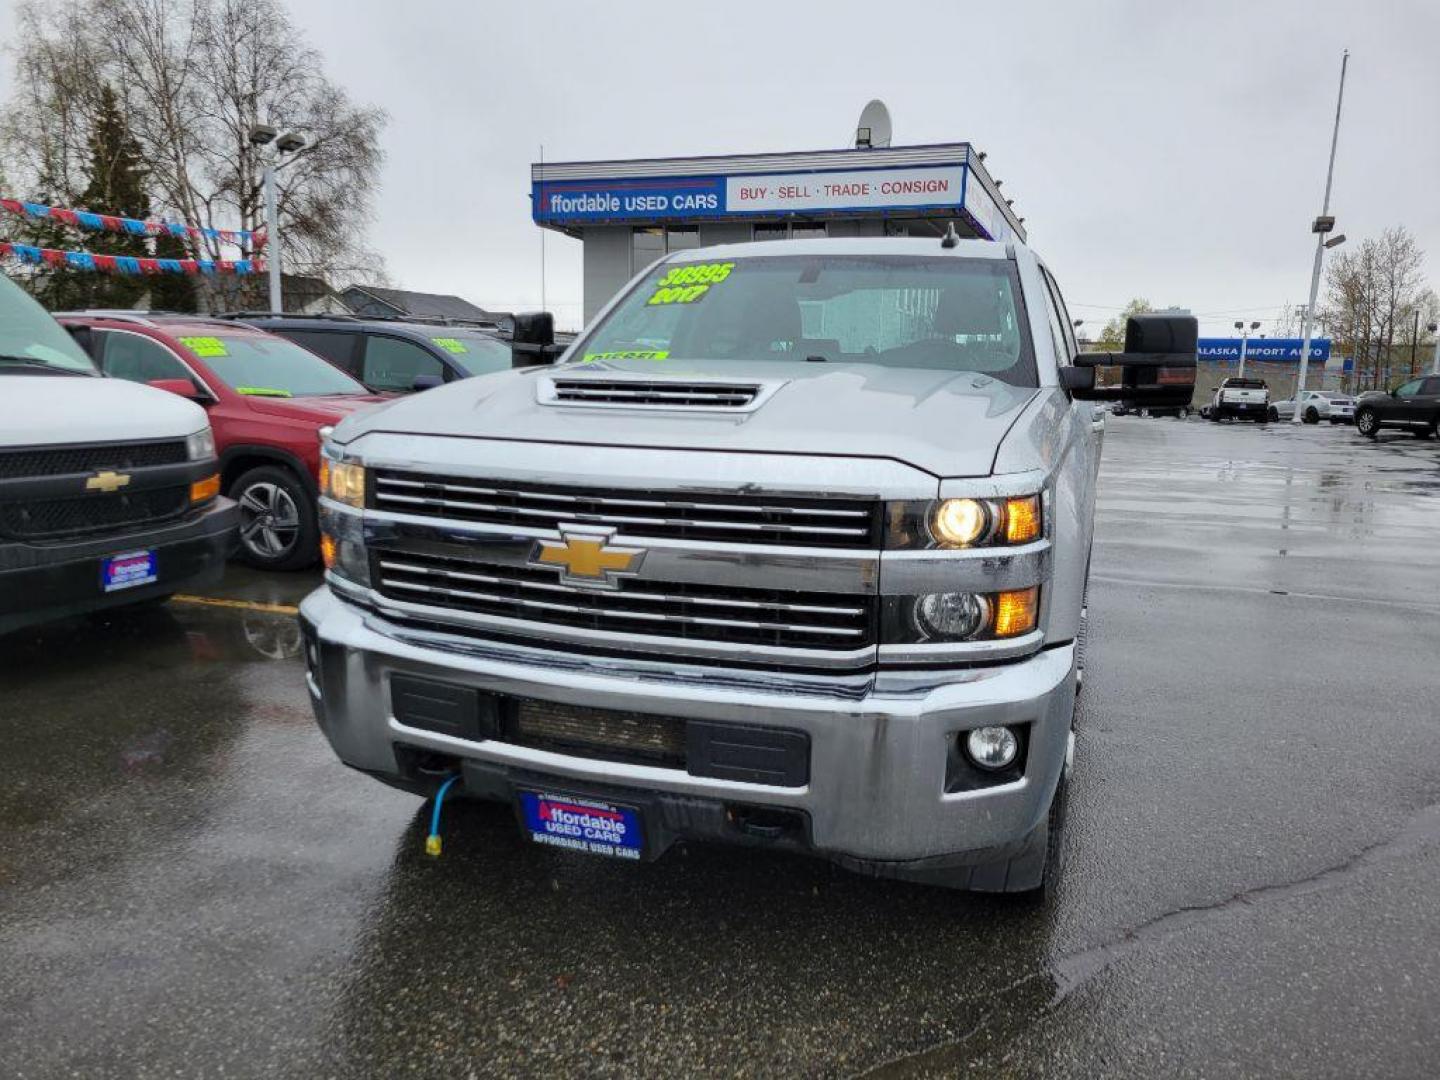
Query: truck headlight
343	481
963	523
960	616
200	446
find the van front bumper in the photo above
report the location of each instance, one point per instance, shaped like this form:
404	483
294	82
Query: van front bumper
880	746
41	582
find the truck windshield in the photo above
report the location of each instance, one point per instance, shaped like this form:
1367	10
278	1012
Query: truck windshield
30	340
896	311
270	366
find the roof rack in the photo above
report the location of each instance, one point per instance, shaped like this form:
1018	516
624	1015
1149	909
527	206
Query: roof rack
143	317
286	315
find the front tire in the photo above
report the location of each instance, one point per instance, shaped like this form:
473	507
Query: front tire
279	524
1367	423
1312	415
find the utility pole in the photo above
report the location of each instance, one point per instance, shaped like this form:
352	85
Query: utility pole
1435	367
1323	225
1414	341
272	237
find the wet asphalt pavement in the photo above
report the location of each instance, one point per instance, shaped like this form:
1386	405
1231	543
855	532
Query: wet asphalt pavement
191	885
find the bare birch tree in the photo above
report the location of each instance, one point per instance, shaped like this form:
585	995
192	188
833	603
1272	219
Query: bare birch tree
194	77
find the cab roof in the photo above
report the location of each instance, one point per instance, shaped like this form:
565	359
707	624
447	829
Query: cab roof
875	245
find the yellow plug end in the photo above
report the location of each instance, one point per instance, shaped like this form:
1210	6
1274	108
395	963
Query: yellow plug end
432	845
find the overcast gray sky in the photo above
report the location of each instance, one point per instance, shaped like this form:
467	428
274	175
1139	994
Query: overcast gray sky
1169	150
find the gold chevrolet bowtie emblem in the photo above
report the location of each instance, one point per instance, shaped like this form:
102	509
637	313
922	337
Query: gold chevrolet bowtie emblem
587	559
107	482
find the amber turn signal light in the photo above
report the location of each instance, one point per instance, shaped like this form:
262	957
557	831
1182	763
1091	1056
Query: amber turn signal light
1022	520
328	549
205	490
1016	612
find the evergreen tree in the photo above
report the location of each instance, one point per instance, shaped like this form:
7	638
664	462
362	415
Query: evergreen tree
172	292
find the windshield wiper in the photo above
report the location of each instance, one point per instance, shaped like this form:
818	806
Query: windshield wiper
30	363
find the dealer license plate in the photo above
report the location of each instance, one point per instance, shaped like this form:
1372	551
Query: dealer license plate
129	570
577	823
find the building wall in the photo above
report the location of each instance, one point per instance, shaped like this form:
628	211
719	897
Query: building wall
606	258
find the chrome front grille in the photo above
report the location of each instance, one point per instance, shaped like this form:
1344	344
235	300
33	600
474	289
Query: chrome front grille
837	622
736	519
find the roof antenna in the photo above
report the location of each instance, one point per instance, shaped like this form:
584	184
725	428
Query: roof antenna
951	237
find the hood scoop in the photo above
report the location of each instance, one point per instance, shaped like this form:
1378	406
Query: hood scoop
686	395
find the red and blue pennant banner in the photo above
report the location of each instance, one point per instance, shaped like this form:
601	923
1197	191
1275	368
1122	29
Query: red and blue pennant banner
128	264
85	219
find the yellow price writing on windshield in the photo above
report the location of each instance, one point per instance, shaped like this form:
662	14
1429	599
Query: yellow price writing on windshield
450	344
205	346
686	284
697	274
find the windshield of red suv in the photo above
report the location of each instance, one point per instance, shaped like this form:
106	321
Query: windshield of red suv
269	366
949	313
30	339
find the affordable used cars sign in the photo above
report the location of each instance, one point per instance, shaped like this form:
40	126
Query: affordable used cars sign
560	201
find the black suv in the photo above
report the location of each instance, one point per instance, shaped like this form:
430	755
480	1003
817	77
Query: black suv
391	356
1414	405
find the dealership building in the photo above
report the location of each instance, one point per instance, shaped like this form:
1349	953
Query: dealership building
629	213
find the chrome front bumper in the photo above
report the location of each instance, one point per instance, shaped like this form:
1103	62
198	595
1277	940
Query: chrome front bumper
878	744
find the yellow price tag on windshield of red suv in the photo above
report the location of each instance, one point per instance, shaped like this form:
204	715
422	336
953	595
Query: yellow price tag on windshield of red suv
205	346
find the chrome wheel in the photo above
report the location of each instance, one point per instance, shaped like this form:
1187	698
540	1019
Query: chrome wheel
1365	422
269	520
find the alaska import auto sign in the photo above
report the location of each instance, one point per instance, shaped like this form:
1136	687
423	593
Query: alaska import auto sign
1263	350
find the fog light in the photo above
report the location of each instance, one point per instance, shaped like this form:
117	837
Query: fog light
992	747
952	615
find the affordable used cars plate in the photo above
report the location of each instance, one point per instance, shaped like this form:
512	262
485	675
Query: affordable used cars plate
128	570
578	823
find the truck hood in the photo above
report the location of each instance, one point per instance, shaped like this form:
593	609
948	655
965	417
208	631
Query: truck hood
945	422
52	410
323	410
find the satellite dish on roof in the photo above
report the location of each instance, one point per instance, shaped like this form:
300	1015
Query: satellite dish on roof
873	130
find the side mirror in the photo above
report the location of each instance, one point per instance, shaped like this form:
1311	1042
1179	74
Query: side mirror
533	341
426	382
180	387
1156	368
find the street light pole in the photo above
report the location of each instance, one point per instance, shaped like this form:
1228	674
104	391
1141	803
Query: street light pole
1435	367
1323	224
272	238
1244	339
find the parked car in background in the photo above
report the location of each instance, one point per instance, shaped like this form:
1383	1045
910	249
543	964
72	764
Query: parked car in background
1241	399
109	493
267	399
390	356
1315	405
1414	405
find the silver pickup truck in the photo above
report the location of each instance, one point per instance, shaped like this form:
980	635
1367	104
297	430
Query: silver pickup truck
789	549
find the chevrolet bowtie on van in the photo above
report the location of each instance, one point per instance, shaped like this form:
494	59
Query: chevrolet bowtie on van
789	549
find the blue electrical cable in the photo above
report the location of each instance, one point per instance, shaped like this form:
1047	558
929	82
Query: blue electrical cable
432	842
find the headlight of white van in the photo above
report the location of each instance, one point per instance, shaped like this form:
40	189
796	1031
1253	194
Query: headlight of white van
200	446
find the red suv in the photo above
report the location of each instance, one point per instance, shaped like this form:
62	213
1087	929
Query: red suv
267	399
